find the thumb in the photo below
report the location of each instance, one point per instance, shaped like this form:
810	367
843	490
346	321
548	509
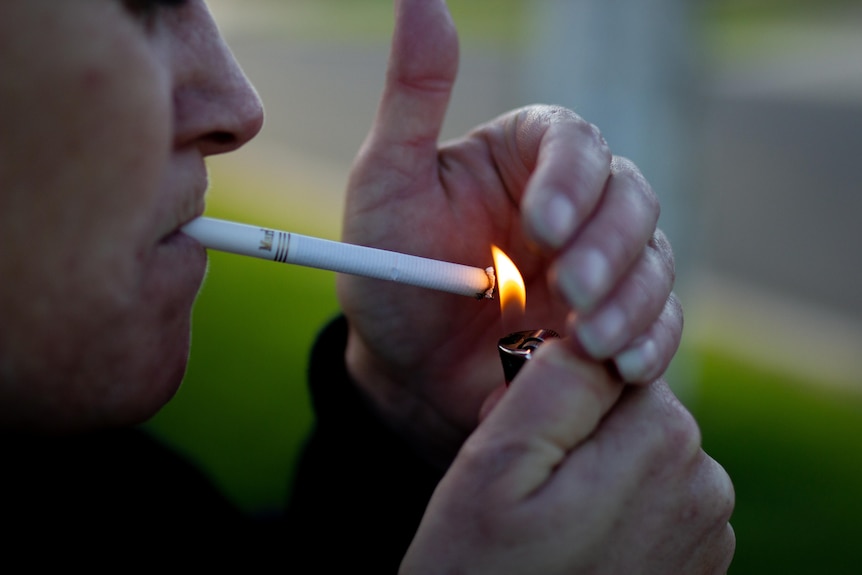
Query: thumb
556	402
423	63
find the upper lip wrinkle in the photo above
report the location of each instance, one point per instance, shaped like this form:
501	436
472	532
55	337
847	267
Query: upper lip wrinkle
191	205
191	208
196	205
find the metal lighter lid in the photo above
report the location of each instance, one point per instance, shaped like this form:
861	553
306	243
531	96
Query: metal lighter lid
517	347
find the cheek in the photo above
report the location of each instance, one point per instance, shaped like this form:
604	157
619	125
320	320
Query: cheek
94	151
86	138
109	155
89	135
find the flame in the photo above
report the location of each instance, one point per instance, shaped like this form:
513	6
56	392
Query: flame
510	286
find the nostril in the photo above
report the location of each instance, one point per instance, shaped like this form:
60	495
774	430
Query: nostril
219	142
223	138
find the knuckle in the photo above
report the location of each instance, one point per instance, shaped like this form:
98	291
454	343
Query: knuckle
594	134
492	457
674	311
622	167
707	507
715	493
681	433
668	328
660	245
729	536
587	133
713	506
725	494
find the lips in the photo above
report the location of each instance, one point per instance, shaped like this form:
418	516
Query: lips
172	237
187	202
178	264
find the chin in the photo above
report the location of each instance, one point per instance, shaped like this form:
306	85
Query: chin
139	358
147	382
147	396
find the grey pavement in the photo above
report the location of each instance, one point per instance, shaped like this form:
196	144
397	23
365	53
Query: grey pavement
778	271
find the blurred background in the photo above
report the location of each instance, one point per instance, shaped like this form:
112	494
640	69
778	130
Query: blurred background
746	117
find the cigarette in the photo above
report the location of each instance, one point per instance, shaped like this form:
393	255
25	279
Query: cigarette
291	248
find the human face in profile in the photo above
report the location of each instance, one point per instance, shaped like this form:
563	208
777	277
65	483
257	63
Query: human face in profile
108	108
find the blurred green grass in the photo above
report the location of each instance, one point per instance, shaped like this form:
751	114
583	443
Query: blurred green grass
793	448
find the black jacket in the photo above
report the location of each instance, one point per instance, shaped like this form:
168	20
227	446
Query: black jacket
358	494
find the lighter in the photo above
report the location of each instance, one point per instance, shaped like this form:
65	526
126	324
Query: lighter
517	347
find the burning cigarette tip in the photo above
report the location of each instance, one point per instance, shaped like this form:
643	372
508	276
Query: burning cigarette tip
492	284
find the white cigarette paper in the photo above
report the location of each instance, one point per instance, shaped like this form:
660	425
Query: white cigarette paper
287	247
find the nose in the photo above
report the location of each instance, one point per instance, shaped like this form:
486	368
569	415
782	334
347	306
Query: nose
216	108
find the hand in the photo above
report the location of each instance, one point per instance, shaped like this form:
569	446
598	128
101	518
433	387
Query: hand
540	183
555	480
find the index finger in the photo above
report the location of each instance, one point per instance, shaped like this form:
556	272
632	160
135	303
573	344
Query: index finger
423	63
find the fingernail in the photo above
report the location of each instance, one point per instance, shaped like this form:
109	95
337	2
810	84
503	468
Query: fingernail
555	223
599	334
636	362
583	278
